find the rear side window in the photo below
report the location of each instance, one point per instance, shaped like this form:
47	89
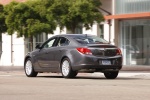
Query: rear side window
63	42
90	40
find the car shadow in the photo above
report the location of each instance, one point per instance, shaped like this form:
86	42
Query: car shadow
91	77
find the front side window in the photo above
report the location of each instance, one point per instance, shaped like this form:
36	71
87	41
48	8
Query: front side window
49	44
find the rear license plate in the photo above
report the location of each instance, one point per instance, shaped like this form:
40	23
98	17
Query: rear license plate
106	62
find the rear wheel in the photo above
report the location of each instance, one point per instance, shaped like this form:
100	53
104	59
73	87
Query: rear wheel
111	75
66	69
29	70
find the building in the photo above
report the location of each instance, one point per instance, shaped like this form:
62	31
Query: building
127	25
132	30
4	2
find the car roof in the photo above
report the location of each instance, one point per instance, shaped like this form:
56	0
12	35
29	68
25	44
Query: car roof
73	35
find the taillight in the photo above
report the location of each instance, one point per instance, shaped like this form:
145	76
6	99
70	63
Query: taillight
84	51
119	52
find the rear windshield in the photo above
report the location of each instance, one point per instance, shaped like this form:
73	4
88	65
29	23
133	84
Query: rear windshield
90	40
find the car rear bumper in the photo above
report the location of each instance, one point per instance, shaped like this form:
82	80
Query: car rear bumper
96	68
90	62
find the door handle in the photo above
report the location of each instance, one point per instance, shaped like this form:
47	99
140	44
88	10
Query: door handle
60	50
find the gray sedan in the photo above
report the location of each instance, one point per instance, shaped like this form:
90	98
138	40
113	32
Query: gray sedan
73	53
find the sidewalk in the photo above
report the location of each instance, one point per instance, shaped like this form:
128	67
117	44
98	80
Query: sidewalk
11	68
136	68
124	68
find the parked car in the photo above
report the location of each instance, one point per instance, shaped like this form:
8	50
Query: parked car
73	53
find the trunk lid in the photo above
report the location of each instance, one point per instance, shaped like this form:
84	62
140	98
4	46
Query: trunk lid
103	50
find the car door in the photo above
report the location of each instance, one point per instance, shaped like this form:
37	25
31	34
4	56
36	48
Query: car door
61	49
45	56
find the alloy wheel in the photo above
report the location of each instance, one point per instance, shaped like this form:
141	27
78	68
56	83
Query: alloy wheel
28	67
29	70
65	68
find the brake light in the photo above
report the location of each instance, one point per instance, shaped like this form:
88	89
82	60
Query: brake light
119	52
84	51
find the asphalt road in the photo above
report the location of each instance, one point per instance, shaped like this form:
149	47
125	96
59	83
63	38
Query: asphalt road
15	85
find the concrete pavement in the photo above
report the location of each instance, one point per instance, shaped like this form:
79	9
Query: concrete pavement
126	71
49	86
124	68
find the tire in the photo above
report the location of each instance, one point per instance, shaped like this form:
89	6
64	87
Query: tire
29	69
66	69
111	75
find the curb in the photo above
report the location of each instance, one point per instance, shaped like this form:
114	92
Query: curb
135	68
11	68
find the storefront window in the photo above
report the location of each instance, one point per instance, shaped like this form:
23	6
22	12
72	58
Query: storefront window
131	6
135	42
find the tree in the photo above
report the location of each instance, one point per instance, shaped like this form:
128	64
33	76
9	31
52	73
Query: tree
44	23
8	9
3	27
72	13
57	11
37	16
27	20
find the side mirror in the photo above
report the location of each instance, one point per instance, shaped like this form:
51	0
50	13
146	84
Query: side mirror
38	46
